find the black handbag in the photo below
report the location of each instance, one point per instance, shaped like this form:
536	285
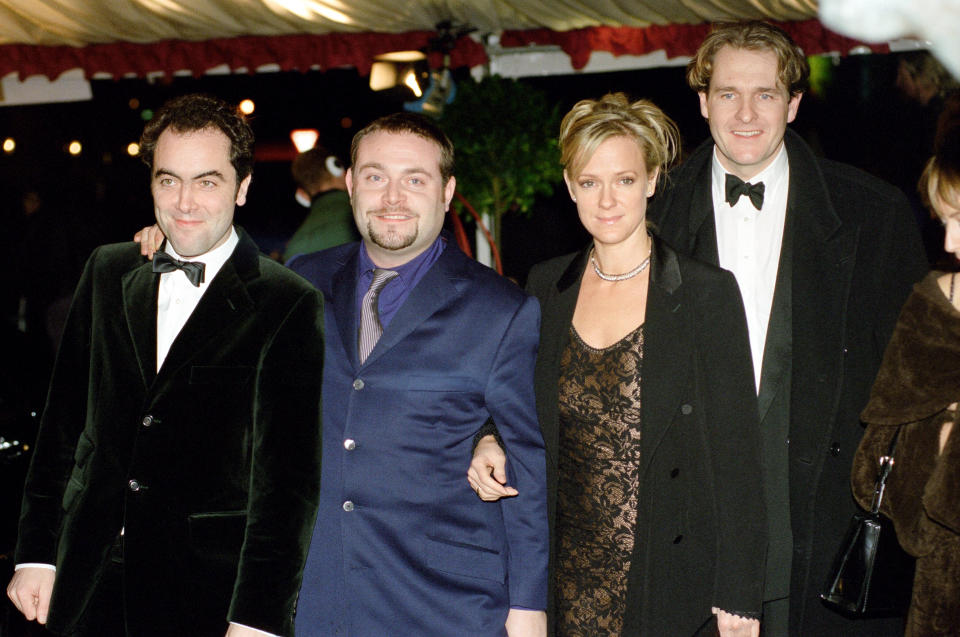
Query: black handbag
871	574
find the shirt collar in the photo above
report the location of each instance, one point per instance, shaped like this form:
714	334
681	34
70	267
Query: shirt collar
773	176
212	260
409	269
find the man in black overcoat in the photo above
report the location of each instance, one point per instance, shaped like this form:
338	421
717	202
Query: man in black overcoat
824	255
174	482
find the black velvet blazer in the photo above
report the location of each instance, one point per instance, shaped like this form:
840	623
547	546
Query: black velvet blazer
701	530
211	465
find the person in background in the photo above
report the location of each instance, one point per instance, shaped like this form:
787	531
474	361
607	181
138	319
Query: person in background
645	395
915	398
320	180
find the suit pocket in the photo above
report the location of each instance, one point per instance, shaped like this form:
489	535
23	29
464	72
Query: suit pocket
440	382
466	560
217	534
220	375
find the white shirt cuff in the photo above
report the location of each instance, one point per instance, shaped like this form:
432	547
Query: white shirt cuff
256	630
49	567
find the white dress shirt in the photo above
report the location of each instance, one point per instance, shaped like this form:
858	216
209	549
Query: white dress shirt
749	242
178	298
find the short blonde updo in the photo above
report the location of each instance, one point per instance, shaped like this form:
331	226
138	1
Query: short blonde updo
591	122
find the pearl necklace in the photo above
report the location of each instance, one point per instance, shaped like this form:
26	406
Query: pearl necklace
617	277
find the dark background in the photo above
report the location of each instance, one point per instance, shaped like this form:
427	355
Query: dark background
853	113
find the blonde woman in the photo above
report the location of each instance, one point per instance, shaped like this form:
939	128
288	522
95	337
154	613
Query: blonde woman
646	399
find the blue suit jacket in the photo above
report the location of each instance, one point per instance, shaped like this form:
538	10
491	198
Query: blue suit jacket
402	546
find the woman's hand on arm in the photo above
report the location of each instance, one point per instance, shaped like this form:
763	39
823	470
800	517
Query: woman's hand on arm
487	474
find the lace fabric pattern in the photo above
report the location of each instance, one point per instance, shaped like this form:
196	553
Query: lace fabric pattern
598	482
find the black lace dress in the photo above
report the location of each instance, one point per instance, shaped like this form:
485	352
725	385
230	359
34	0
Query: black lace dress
598	482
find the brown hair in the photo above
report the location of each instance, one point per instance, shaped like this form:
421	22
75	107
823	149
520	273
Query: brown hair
196	112
753	35
413	123
940	181
310	168
591	122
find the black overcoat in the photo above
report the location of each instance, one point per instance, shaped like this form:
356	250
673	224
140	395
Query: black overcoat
210	465
856	253
700	532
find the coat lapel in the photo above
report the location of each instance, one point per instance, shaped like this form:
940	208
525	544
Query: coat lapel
140	309
778	348
666	358
557	317
823	259
702	226
343	303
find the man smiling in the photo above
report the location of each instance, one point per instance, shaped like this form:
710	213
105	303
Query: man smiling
424	345
175	475
824	256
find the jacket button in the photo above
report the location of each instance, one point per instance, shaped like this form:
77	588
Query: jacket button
686	410
834	449
348	506
134	485
147	421
358	384
674	473
678	539
349	444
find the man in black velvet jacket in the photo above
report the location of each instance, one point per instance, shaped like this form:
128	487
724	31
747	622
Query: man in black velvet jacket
174	483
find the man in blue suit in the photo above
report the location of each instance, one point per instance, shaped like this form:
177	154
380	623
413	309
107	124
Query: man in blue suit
401	545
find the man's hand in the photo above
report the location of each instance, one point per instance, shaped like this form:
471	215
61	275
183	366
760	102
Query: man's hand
487	474
731	625
150	240
526	623
29	590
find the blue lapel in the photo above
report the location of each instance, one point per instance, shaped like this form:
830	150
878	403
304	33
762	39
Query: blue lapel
343	303
434	290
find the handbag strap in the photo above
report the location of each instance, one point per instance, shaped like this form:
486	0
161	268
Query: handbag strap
886	465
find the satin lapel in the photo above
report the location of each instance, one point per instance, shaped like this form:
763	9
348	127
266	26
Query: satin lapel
556	319
432	292
225	302
343	285
823	260
666	352
140	309
702	225
778	349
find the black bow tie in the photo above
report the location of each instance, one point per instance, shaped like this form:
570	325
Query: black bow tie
737	187
163	262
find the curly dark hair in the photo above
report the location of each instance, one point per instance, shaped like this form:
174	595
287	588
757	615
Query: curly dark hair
196	112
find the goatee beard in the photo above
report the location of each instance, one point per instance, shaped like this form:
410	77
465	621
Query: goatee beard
391	239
